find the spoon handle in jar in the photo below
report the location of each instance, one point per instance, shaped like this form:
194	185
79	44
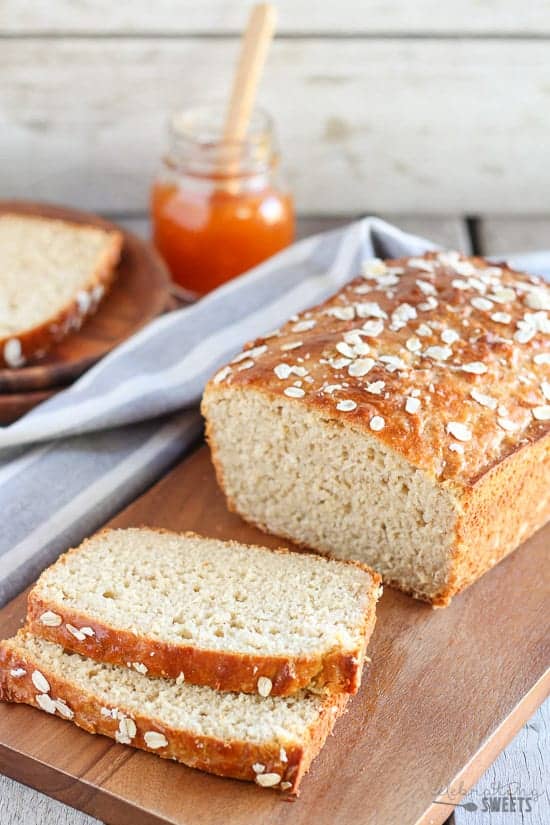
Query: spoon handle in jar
254	47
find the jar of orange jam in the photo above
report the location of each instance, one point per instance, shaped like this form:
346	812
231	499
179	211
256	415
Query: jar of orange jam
218	207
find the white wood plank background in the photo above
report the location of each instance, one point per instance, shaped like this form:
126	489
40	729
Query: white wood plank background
522	770
20	805
295	16
371	125
508	234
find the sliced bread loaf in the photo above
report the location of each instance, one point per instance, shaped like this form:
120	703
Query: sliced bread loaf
52	275
404	422
271	741
227	615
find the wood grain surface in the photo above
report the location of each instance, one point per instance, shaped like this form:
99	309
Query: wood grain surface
24	806
210	17
373	124
520	772
14	405
140	292
508	234
445	693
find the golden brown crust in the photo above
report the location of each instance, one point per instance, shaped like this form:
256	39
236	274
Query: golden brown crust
511	378
37	341
224	758
499	475
335	671
500	511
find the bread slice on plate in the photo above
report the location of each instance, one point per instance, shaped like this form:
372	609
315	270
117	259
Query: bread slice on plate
404	422
231	616
271	741
53	274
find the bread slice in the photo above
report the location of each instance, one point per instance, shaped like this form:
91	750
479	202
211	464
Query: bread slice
405	422
271	741
53	274
227	615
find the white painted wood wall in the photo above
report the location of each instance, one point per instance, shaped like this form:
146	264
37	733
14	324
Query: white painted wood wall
432	107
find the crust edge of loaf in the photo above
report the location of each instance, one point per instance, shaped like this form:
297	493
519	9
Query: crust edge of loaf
335	671
233	759
470	557
498	512
40	339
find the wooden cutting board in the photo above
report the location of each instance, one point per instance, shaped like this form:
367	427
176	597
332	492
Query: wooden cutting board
446	691
14	405
139	293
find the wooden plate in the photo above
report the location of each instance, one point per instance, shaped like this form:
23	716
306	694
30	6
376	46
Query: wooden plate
446	691
139	293
14	405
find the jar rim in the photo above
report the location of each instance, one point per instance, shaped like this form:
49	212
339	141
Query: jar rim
203	124
197	146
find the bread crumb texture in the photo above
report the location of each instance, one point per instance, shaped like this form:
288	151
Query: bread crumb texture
231	734
210	594
376	413
54	274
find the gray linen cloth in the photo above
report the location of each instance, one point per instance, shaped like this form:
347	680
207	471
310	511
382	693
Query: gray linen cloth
73	462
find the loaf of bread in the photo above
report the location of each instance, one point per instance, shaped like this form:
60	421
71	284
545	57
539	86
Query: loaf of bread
53	274
405	422
271	741
222	614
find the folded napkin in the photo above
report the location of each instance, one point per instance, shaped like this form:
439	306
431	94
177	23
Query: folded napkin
73	462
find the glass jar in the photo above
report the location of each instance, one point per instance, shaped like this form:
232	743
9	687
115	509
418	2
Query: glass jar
218	207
